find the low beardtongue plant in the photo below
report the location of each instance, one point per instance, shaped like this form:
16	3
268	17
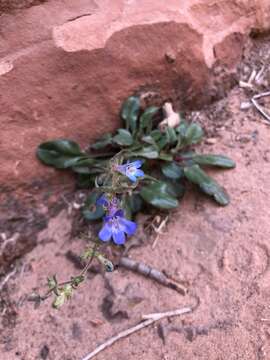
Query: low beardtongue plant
147	163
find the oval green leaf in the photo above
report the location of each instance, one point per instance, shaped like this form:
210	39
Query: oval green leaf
123	138
193	134
209	186
62	154
103	142
214	160
148	152
172	170
157	195
130	112
146	118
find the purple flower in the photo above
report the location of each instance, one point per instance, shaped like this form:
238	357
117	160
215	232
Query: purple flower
110	205
117	227
131	170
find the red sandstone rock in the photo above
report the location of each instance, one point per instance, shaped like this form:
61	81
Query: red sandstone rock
65	68
100	54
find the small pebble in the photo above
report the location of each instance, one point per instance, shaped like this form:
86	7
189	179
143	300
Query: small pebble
245	105
211	141
170	57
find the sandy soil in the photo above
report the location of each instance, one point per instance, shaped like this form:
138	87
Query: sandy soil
223	254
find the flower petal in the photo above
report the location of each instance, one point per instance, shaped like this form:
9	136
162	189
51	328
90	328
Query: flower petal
131	177
129	227
139	173
119	237
103	201
105	233
107	218
122	169
137	163
119	213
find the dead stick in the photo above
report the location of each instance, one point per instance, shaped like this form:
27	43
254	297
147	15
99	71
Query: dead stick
152	273
258	96
6	278
259	107
151	318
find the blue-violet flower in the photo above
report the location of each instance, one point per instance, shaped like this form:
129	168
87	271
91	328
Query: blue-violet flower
131	170
116	226
110	205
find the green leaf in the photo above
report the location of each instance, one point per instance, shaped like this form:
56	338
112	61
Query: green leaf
91	211
149	140
171	135
146	118
165	156
68	291
85	181
175	189
135	203
77	280
81	169
62	154
130	112
194	134
88	170
148	152
103	142
162	142
59	300
52	282
197	176
156	134
125	205
182	128
124	138
172	170
157	195
212	160
62	146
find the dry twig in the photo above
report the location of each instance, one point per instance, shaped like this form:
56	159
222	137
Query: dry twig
152	273
259	107
5	280
148	320
159	229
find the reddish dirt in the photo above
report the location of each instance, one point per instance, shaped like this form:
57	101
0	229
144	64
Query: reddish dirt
222	253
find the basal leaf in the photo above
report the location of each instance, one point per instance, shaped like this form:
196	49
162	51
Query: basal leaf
171	135
103	142
157	195
149	140
148	152
182	128
135	203
175	188
62	154
197	176
123	138
213	160
146	119
156	134
165	156
130	112
193	134
172	170
62	146
162	142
